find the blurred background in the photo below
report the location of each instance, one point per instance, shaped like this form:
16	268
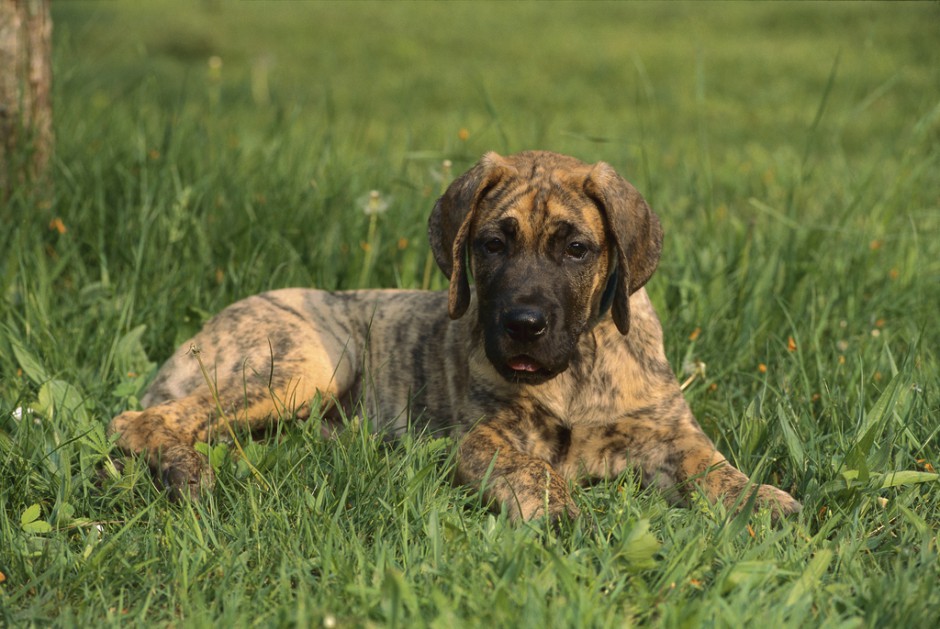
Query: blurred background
243	137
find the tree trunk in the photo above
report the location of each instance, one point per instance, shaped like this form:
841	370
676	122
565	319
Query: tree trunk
26	139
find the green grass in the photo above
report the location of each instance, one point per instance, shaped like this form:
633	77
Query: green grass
791	152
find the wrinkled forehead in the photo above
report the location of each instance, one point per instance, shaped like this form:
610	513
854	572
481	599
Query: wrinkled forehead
537	208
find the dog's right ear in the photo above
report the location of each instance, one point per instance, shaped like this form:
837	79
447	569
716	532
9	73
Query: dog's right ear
449	225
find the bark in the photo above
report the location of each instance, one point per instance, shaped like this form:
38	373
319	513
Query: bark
26	138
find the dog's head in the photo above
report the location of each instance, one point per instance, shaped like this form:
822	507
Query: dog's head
552	243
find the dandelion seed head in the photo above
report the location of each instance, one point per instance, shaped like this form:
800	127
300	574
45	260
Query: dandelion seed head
690	367
215	75
373	203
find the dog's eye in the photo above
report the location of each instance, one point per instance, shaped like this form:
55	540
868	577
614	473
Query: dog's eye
494	245
576	250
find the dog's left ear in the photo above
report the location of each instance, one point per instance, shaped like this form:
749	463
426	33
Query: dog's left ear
637	235
449	225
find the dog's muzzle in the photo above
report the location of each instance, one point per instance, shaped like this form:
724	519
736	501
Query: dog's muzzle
522	344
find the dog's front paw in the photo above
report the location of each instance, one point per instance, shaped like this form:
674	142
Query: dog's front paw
555	508
536	491
185	472
780	503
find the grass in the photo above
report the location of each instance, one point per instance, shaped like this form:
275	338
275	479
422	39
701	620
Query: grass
791	152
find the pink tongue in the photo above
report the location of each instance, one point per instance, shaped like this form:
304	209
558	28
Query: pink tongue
523	363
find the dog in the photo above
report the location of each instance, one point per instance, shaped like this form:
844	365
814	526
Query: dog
548	369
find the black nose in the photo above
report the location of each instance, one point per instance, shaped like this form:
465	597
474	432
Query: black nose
524	324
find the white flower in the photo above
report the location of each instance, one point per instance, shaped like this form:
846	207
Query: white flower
373	203
19	412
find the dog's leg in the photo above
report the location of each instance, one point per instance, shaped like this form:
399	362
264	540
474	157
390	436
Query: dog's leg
158	434
491	456
165	433
669	448
262	359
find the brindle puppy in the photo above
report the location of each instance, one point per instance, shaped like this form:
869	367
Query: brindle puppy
550	369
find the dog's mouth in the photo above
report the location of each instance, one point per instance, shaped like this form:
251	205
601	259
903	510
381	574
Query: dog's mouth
525	369
525	364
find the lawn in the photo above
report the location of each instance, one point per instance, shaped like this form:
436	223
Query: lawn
207	151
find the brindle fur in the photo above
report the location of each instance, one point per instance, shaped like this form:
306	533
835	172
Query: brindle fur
592	395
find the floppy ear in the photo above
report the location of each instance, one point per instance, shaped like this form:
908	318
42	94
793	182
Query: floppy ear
449	225
636	232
